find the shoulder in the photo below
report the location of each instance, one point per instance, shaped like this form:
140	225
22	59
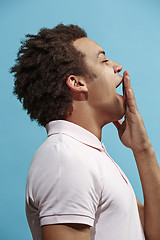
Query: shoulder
60	153
61	167
61	147
64	158
54	146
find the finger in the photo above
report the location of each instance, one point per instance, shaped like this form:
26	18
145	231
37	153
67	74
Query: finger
131	101
125	76
126	73
127	81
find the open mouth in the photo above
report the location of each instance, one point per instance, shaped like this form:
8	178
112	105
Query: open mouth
120	90
120	84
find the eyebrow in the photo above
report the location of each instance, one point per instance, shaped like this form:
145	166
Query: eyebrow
100	52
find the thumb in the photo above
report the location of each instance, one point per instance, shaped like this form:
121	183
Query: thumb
118	124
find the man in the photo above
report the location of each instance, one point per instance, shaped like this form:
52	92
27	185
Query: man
75	191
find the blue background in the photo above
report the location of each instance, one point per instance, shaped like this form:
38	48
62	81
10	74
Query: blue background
129	32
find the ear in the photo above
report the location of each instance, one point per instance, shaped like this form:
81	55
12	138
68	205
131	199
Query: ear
76	83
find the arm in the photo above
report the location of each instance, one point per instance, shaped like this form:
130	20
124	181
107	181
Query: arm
141	212
150	178
69	231
134	136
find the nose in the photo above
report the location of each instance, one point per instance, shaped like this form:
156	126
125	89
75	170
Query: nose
117	67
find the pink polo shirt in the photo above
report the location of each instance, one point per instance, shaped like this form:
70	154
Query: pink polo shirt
72	179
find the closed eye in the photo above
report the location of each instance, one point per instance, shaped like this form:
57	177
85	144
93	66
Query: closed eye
106	60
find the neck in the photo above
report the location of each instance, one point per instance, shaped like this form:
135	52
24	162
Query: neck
85	118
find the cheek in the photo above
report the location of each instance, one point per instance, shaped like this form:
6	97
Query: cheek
106	86
102	91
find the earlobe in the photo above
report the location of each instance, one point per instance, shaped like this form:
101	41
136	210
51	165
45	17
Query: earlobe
76	84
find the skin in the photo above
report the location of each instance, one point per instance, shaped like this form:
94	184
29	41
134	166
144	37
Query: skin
96	99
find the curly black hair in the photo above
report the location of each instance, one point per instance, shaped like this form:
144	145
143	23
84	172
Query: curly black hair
43	63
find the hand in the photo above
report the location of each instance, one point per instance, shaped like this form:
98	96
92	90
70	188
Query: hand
132	132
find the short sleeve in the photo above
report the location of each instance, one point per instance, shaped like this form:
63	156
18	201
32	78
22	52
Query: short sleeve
67	189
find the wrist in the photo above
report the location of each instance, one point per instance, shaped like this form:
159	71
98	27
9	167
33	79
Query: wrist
144	150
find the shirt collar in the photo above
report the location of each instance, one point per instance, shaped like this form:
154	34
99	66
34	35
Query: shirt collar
75	131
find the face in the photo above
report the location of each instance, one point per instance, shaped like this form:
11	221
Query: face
102	99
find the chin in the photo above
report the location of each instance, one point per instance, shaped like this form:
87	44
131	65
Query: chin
114	113
121	113
118	114
121	116
120	109
117	117
113	117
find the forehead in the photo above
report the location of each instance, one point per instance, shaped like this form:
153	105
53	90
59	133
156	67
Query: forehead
87	46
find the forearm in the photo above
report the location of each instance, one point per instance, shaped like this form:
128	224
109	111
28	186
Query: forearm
149	172
133	135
